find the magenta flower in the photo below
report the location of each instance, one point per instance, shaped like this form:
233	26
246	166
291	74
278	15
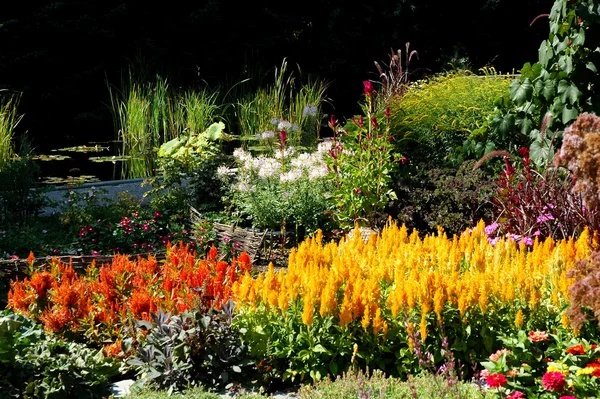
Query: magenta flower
368	87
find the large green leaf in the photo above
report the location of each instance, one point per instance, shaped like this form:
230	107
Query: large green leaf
170	147
540	150
569	93
521	91
214	131
545	53
569	113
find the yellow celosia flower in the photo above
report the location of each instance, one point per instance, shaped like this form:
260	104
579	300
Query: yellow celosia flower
307	311
418	275
377	321
519	319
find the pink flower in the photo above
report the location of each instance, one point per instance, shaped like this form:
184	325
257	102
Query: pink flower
368	87
496	380
483	374
495	356
516	395
568	397
553	381
538	336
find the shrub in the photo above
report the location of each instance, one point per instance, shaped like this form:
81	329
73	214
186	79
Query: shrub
434	117
302	322
579	153
287	189
36	365
21	197
455	198
530	204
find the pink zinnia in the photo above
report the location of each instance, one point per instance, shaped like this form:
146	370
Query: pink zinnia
538	336
516	395
496	380
553	381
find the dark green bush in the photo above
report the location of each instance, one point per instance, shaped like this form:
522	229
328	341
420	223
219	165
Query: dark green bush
34	365
21	197
454	198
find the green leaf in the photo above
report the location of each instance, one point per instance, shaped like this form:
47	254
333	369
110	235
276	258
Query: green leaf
520	92
539	151
546	88
569	93
318	348
569	113
333	368
592	67
545	53
214	131
579	38
525	125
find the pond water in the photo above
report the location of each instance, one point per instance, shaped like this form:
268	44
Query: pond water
90	162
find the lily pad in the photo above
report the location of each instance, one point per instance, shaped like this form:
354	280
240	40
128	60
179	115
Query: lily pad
45	157
113	158
71	180
83	148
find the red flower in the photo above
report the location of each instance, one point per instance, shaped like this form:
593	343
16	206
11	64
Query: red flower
516	395
282	137
524	151
553	381
496	380
576	350
368	87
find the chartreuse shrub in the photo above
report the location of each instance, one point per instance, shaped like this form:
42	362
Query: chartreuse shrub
101	305
36	365
399	297
440	113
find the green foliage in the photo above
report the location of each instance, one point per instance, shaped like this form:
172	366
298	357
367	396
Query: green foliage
433	118
182	351
376	385
297	103
188	167
21	197
361	161
9	118
563	83
34	365
287	189
452	198
150	114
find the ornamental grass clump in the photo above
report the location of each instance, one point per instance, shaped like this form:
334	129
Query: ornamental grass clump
380	294
101	305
